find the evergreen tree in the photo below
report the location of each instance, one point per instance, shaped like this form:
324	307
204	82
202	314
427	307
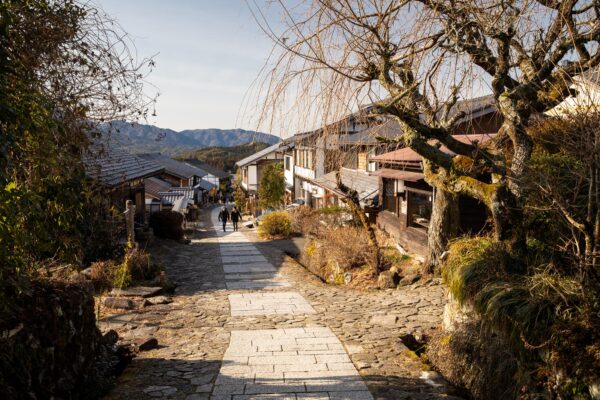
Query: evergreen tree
272	187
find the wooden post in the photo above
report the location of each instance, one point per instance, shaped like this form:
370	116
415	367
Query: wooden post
130	222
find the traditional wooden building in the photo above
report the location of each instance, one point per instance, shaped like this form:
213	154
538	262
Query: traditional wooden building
178	173
214	175
122	174
313	157
252	167
251	170
406	199
154	187
366	186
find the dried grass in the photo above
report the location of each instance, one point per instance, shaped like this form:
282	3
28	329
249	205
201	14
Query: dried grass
102	275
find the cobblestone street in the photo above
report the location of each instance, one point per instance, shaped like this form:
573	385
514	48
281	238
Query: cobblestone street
248	322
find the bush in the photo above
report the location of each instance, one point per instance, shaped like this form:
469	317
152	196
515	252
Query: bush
542	309
473	263
275	225
347	247
139	265
167	224
335	251
136	266
333	209
305	220
103	274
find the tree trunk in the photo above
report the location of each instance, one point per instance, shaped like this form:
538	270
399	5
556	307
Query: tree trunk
443	226
507	213
351	197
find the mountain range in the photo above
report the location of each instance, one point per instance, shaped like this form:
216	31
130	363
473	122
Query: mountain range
140	138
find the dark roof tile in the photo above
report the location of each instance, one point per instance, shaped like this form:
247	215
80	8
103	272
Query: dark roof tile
174	167
112	166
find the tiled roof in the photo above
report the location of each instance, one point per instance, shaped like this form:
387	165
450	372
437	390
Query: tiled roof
169	198
407	154
474	107
389	129
188	191
179	200
214	171
153	186
112	166
175	195
174	167
401	175
360	181
258	155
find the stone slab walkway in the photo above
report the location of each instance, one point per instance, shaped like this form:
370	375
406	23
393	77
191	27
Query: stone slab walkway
244	266
200	336
303	363
293	363
283	303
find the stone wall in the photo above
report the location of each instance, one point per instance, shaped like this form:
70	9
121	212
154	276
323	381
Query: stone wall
473	358
54	349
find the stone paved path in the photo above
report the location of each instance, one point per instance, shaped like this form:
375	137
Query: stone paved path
249	323
244	266
292	363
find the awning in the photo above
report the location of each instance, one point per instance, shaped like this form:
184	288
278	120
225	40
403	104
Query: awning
398	174
181	204
205	185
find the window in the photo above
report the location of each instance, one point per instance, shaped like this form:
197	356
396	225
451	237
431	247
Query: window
419	209
389	198
371	166
288	163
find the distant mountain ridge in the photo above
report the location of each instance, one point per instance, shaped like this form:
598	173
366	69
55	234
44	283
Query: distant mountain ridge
141	138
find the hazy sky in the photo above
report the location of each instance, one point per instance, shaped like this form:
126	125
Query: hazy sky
207	52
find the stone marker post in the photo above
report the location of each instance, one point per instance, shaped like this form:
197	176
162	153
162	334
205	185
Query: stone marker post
130	223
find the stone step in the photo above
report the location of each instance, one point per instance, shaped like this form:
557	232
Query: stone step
137	291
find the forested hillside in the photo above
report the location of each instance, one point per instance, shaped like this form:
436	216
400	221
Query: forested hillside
224	157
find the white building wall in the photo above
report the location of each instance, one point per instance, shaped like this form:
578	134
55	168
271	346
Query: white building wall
288	174
212	179
252	177
304	172
587	100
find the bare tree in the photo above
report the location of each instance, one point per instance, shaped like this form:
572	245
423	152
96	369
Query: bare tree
414	59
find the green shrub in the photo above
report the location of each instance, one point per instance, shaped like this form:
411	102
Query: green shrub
122	277
275	225
332	209
390	257
167	224
523	308
473	262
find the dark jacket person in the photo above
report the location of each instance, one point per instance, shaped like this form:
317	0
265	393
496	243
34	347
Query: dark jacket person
235	217
224	217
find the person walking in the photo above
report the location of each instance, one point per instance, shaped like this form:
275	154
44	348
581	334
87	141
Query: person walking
224	217
235	217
